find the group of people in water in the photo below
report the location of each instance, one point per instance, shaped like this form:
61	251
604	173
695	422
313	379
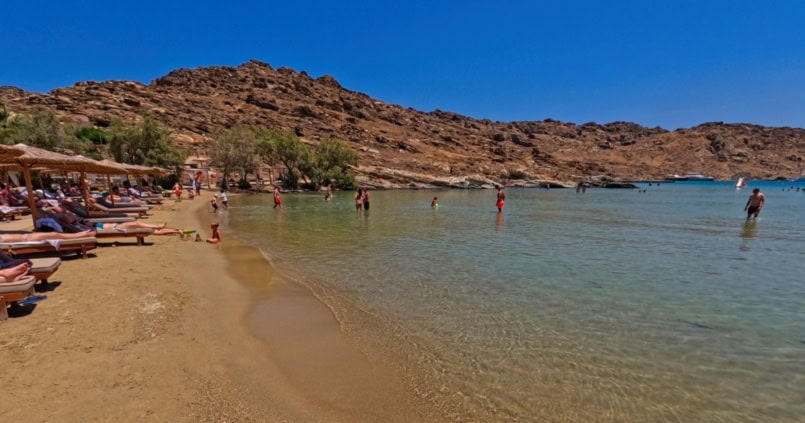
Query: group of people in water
753	205
362	199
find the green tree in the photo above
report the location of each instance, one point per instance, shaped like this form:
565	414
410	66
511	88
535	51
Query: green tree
41	129
236	148
146	143
330	164
93	135
286	148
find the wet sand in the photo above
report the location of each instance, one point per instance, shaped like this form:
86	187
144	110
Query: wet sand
186	331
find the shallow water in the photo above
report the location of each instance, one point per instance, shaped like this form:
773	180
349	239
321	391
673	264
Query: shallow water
610	305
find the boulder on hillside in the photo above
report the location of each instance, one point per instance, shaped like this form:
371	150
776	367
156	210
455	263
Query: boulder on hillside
329	81
261	102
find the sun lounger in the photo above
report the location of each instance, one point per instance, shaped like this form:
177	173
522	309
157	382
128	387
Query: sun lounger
139	233
96	217
145	196
79	245
97	205
12	212
12	292
43	268
104	201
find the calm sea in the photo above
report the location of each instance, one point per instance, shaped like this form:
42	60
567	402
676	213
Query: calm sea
614	305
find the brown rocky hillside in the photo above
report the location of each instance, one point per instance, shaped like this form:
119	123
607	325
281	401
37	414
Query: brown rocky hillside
401	146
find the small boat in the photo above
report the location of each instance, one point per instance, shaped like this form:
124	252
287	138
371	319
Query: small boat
690	176
740	184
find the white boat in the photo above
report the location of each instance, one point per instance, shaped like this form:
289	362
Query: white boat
740	184
690	176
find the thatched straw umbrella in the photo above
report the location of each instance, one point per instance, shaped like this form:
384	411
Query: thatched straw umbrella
27	157
8	152
136	170
113	169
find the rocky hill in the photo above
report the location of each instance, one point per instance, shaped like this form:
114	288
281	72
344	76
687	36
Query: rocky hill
401	145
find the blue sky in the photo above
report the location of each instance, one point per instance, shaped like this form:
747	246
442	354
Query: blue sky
658	63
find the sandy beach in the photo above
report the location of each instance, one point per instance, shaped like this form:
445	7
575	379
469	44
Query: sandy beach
162	332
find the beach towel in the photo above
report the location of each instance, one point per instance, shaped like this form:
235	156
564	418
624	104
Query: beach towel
32	299
50	223
56	243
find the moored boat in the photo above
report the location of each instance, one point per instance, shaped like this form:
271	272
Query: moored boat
690	176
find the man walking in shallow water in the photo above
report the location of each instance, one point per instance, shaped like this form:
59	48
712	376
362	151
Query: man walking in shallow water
756	202
501	199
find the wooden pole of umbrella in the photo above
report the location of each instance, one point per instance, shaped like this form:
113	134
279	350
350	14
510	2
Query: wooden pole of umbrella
26	171
109	184
85	188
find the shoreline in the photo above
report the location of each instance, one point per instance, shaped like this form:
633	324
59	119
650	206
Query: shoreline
163	332
137	333
383	347
308	343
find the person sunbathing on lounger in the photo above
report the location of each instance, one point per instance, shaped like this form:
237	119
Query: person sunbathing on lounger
71	218
158	229
118	198
44	236
14	273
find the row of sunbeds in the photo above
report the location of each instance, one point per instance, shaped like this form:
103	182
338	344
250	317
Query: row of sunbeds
99	211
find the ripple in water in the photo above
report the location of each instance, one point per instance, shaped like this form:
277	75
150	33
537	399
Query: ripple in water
610	305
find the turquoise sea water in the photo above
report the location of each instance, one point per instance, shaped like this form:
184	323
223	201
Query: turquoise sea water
612	305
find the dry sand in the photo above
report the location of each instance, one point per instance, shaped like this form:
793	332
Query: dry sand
161	332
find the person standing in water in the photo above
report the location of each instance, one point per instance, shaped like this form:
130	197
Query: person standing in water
366	198
277	199
359	200
435	202
224	199
756	202
214	203
501	199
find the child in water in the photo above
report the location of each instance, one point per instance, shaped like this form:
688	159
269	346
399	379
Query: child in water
214	203
277	199
435	202
224	200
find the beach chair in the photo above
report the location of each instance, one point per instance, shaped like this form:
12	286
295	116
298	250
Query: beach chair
97	216
44	267
78	245
11	292
122	204
139	233
108	208
145	196
10	213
